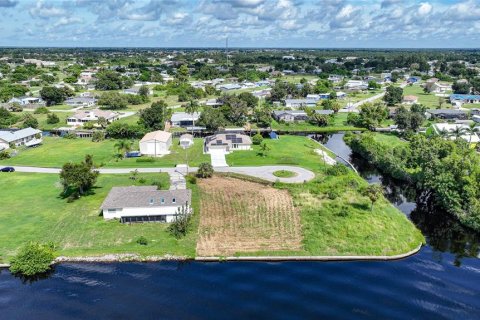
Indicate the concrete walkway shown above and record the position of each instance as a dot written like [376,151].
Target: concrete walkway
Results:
[262,172]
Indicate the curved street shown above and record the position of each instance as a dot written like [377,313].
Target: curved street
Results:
[262,172]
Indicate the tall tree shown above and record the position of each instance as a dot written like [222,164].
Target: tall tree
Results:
[393,95]
[154,118]
[182,73]
[78,177]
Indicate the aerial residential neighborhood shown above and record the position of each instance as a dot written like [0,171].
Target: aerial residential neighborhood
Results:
[241,159]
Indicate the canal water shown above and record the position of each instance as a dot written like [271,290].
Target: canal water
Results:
[442,281]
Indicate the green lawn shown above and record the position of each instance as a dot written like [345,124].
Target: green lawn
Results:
[288,150]
[54,152]
[60,107]
[389,138]
[32,210]
[339,123]
[194,155]
[358,96]
[427,99]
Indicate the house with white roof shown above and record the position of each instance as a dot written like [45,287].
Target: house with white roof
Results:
[80,117]
[145,204]
[184,119]
[25,100]
[156,143]
[24,137]
[84,101]
[136,90]
[356,85]
[298,103]
[450,128]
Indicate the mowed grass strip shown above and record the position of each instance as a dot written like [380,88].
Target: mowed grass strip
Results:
[241,217]
[56,151]
[32,210]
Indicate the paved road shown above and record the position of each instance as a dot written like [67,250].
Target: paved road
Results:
[262,172]
[354,106]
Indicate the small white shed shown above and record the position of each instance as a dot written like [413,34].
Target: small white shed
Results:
[186,140]
[156,143]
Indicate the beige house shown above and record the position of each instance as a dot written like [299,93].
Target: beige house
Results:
[156,143]
[410,99]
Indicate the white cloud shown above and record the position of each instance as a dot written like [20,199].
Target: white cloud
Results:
[425,9]
[42,10]
[64,21]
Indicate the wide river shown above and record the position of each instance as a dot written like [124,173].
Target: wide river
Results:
[442,281]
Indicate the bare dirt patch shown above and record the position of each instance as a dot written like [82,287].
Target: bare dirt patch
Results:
[240,216]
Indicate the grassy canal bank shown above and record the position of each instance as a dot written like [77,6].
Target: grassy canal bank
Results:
[326,216]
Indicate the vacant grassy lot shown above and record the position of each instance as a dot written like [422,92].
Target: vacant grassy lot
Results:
[239,217]
[42,120]
[288,150]
[55,151]
[32,210]
[390,139]
[339,123]
[427,99]
[337,219]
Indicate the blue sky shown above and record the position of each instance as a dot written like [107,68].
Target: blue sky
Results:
[247,23]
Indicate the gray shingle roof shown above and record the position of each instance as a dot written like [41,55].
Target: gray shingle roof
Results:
[10,136]
[147,196]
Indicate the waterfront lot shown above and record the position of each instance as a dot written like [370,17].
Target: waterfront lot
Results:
[32,210]
[242,217]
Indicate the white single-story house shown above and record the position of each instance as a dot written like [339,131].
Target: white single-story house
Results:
[24,137]
[227,142]
[449,128]
[289,115]
[409,99]
[356,85]
[25,100]
[213,103]
[335,78]
[135,90]
[184,119]
[229,86]
[297,103]
[81,117]
[81,101]
[145,204]
[156,143]
[186,140]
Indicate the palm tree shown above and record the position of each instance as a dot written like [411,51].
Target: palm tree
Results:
[458,132]
[191,108]
[123,146]
[471,130]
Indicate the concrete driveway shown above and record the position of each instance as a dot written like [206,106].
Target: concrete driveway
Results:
[218,158]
